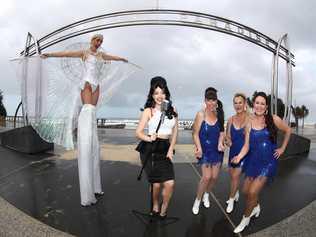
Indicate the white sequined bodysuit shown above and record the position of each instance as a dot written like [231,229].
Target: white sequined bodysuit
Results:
[92,68]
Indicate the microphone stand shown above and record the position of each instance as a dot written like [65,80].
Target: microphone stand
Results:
[150,216]
[139,177]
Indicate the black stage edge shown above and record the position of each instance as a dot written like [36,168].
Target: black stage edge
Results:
[24,139]
[297,145]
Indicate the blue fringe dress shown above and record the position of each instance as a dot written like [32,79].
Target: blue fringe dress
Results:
[238,140]
[209,135]
[260,161]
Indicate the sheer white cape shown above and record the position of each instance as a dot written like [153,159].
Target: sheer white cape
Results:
[50,91]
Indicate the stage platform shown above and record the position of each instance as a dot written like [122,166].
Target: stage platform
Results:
[45,187]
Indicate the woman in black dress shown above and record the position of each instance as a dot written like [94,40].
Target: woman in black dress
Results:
[159,146]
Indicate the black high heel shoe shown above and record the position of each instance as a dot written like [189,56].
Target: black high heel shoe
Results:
[98,195]
[155,213]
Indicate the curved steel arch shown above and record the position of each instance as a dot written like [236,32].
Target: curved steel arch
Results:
[167,17]
[160,17]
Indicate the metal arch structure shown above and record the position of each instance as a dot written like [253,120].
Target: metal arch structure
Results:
[165,17]
[275,81]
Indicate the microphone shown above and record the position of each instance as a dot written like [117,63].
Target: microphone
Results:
[164,107]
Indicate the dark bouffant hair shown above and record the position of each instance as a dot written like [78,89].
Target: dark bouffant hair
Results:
[162,84]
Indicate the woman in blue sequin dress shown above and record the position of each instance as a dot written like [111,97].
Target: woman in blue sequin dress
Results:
[208,136]
[262,158]
[235,139]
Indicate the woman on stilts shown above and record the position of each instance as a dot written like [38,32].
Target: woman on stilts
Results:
[88,143]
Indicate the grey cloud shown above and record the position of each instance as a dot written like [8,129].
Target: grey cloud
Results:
[190,59]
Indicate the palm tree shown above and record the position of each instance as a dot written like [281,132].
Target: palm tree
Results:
[305,112]
[3,112]
[296,111]
[300,112]
[280,107]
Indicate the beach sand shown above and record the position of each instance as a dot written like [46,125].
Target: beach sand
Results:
[127,153]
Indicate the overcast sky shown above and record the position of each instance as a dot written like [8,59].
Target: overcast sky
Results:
[190,59]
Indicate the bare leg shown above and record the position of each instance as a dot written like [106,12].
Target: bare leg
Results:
[253,194]
[214,175]
[206,177]
[155,196]
[95,96]
[86,94]
[234,181]
[246,186]
[252,188]
[167,192]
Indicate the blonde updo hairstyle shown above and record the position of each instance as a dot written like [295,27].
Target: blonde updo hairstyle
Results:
[243,96]
[96,36]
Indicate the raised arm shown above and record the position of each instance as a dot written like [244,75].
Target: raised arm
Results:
[141,126]
[281,125]
[195,133]
[112,57]
[173,139]
[69,54]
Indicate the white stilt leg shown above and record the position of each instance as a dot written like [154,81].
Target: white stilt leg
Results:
[85,149]
[96,157]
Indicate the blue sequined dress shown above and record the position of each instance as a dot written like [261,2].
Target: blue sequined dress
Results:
[209,135]
[238,140]
[260,161]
